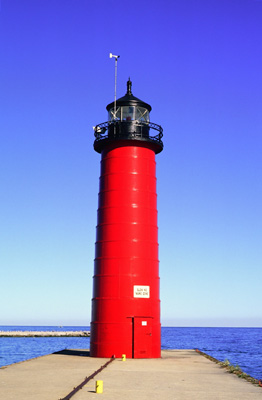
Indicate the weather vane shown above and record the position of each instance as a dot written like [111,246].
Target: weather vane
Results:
[116,58]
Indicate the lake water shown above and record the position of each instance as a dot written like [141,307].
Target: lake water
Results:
[241,346]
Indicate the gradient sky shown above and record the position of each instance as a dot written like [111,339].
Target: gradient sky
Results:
[198,63]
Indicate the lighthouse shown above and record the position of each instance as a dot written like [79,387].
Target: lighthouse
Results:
[126,302]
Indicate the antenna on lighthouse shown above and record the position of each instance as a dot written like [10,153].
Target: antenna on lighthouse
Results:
[116,58]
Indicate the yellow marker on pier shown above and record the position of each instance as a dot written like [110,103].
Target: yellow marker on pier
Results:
[99,386]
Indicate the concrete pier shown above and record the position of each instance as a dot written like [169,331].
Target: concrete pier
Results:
[179,375]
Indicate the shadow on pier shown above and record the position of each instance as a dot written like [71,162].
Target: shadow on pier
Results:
[79,353]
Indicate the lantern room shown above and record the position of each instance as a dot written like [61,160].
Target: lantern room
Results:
[128,119]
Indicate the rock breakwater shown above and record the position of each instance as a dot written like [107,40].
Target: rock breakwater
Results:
[44,334]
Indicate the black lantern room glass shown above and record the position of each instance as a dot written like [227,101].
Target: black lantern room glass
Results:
[129,113]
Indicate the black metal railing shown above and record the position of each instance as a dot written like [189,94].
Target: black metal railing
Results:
[128,129]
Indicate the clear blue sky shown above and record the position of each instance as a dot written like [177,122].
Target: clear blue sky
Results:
[198,63]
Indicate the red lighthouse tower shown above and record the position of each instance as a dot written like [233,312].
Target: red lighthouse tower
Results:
[126,304]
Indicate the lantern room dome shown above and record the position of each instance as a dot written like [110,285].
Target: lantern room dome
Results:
[129,108]
[129,100]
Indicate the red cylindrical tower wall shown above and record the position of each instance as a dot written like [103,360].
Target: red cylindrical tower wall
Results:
[125,304]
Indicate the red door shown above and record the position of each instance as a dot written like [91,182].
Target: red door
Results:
[142,337]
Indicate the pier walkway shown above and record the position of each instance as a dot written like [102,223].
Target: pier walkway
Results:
[179,375]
